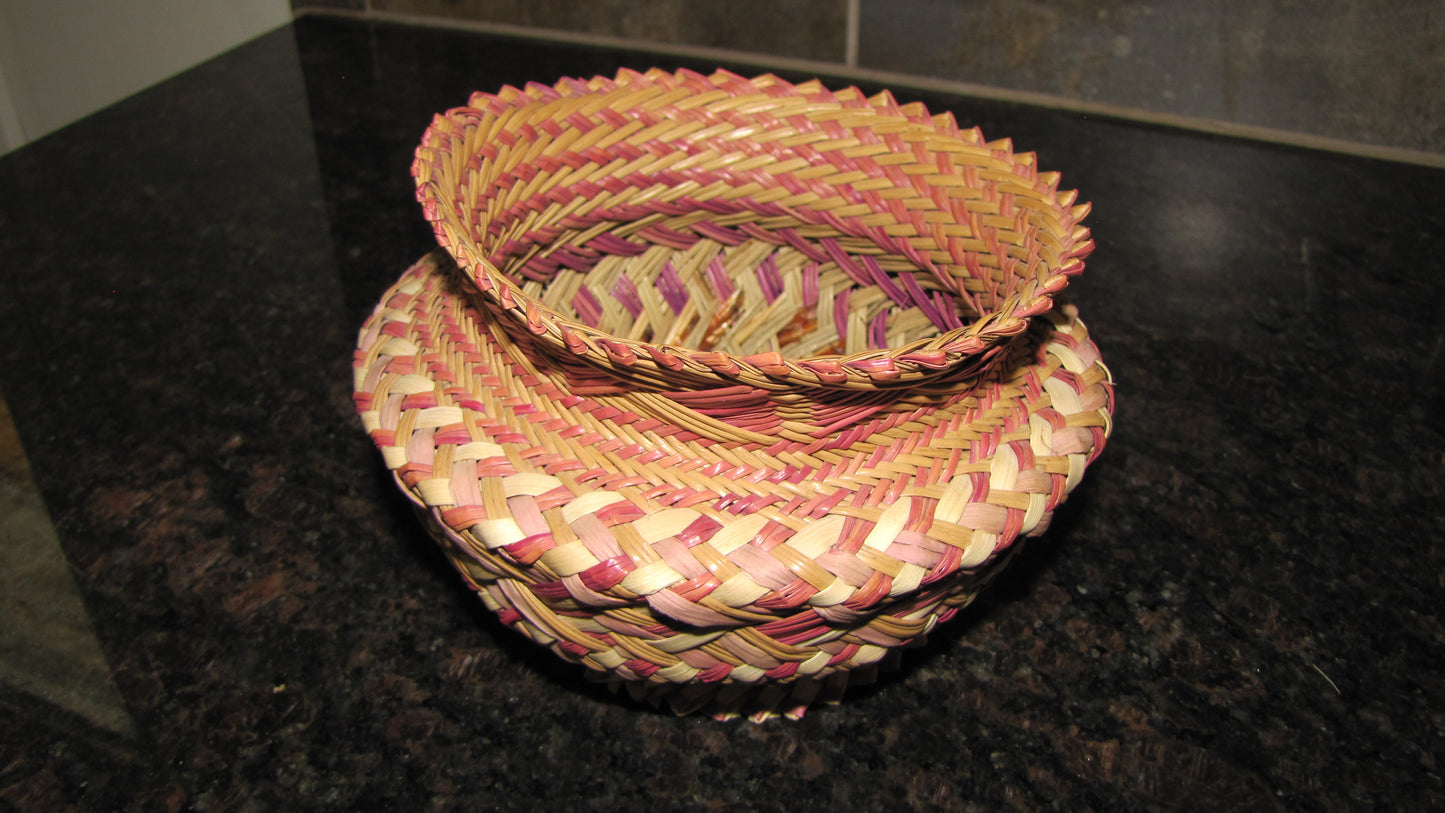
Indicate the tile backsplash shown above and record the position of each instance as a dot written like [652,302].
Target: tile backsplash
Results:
[1365,71]
[802,30]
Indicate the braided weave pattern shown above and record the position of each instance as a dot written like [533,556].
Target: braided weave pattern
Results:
[525,181]
[728,388]
[664,557]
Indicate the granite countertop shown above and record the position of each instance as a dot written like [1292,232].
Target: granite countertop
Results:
[1237,609]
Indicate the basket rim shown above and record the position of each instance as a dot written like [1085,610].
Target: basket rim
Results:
[911,363]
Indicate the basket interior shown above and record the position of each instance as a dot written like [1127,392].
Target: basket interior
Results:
[746,298]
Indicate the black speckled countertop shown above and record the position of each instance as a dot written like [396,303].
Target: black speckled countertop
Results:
[1239,608]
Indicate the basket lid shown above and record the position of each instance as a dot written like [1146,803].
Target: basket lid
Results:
[526,180]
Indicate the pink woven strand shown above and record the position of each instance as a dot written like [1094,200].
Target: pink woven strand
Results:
[670,286]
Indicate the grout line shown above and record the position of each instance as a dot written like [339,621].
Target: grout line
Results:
[850,47]
[896,81]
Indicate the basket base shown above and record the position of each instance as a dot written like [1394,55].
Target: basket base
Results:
[522,489]
[756,702]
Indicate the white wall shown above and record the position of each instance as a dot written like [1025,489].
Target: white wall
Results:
[63,59]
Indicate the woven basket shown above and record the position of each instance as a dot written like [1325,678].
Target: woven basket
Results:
[728,388]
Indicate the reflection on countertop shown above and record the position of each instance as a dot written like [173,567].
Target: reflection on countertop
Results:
[47,644]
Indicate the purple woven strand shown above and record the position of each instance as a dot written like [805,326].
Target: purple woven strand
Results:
[945,306]
[845,262]
[576,262]
[718,278]
[919,298]
[608,243]
[810,286]
[625,292]
[770,280]
[586,306]
[720,206]
[671,287]
[840,313]
[884,281]
[803,245]
[722,234]
[878,331]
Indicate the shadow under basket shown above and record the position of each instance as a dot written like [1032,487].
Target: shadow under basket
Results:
[727,388]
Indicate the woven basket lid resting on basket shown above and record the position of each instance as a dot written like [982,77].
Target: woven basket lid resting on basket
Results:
[523,182]
[730,528]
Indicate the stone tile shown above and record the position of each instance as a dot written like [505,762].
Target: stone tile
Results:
[804,29]
[1366,71]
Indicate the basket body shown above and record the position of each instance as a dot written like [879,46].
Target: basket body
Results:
[727,388]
